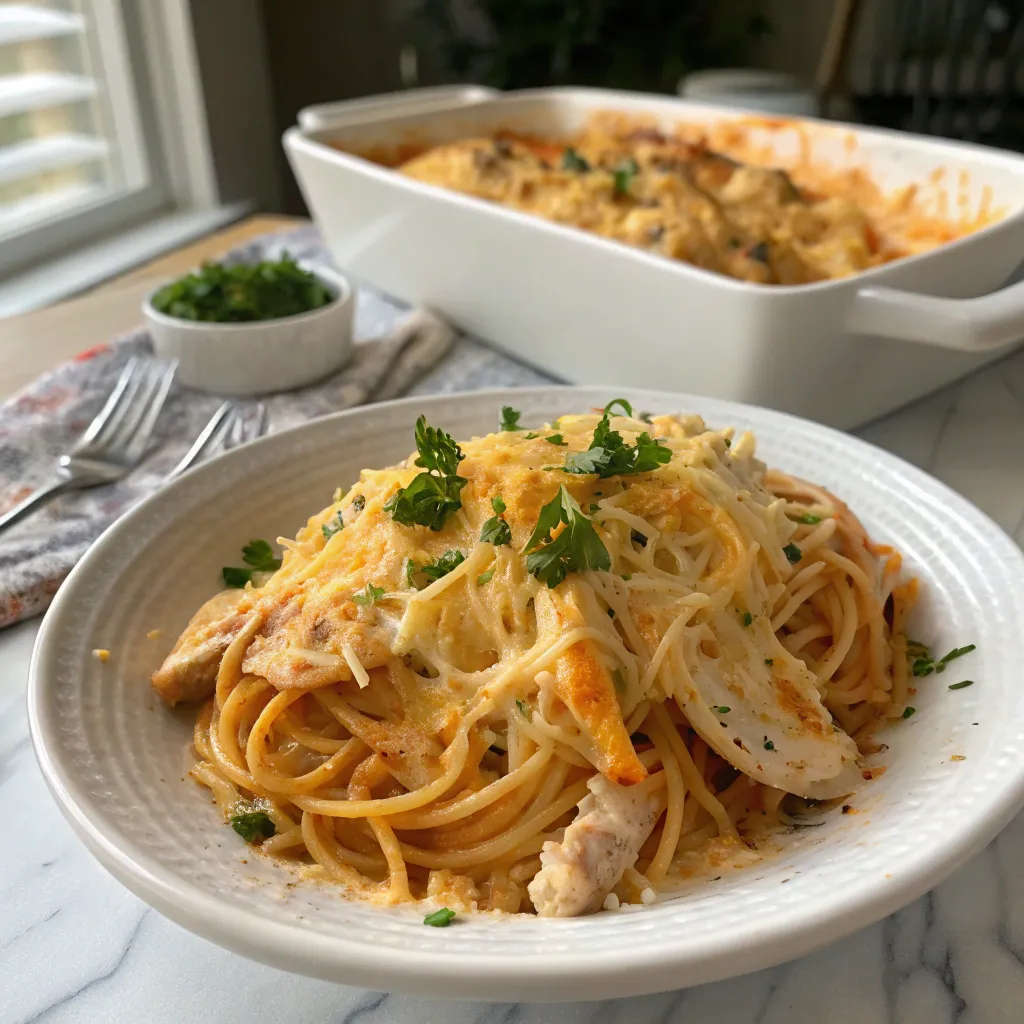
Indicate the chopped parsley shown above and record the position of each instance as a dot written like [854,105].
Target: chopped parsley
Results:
[509,418]
[441,566]
[496,531]
[243,292]
[557,439]
[808,518]
[721,709]
[924,665]
[907,712]
[623,176]
[769,662]
[768,745]
[440,918]
[359,503]
[957,652]
[578,548]
[333,526]
[524,709]
[259,556]
[961,686]
[746,618]
[793,553]
[531,436]
[410,571]
[485,577]
[369,596]
[434,495]
[253,826]
[608,455]
[627,576]
[572,161]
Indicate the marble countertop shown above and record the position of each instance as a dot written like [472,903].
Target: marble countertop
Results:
[76,946]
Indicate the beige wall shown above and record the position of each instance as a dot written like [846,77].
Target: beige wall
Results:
[237,86]
[322,50]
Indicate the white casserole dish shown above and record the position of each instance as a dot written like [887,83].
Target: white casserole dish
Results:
[592,310]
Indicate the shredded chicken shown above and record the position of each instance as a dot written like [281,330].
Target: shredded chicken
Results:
[189,672]
[577,874]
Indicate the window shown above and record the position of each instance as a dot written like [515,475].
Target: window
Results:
[75,158]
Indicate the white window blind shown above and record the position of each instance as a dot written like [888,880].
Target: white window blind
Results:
[73,157]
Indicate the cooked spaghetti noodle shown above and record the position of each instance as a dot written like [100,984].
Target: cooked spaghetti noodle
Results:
[634,666]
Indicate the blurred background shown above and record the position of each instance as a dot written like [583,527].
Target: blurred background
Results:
[129,126]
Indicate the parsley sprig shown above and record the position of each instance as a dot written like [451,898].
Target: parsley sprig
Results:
[510,418]
[608,455]
[434,495]
[496,531]
[442,566]
[432,571]
[257,554]
[371,595]
[578,548]
[253,826]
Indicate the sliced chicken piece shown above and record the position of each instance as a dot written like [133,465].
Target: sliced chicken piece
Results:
[578,873]
[189,672]
[759,708]
[585,687]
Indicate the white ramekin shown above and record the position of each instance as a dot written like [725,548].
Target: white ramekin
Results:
[258,357]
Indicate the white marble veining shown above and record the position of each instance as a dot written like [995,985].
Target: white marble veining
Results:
[76,946]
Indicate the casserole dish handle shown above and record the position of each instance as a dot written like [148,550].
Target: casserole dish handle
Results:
[968,325]
[393,104]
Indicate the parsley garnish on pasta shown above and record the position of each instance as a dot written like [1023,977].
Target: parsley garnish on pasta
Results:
[577,548]
[496,530]
[510,418]
[609,455]
[434,495]
[259,556]
[253,826]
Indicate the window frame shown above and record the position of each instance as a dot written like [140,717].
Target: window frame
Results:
[152,105]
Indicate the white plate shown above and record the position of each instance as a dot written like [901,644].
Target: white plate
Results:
[115,758]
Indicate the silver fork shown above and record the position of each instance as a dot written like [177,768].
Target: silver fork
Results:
[115,441]
[227,428]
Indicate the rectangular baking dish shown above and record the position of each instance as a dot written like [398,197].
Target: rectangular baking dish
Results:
[591,310]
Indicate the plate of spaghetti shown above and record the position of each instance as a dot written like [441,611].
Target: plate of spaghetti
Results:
[590,695]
